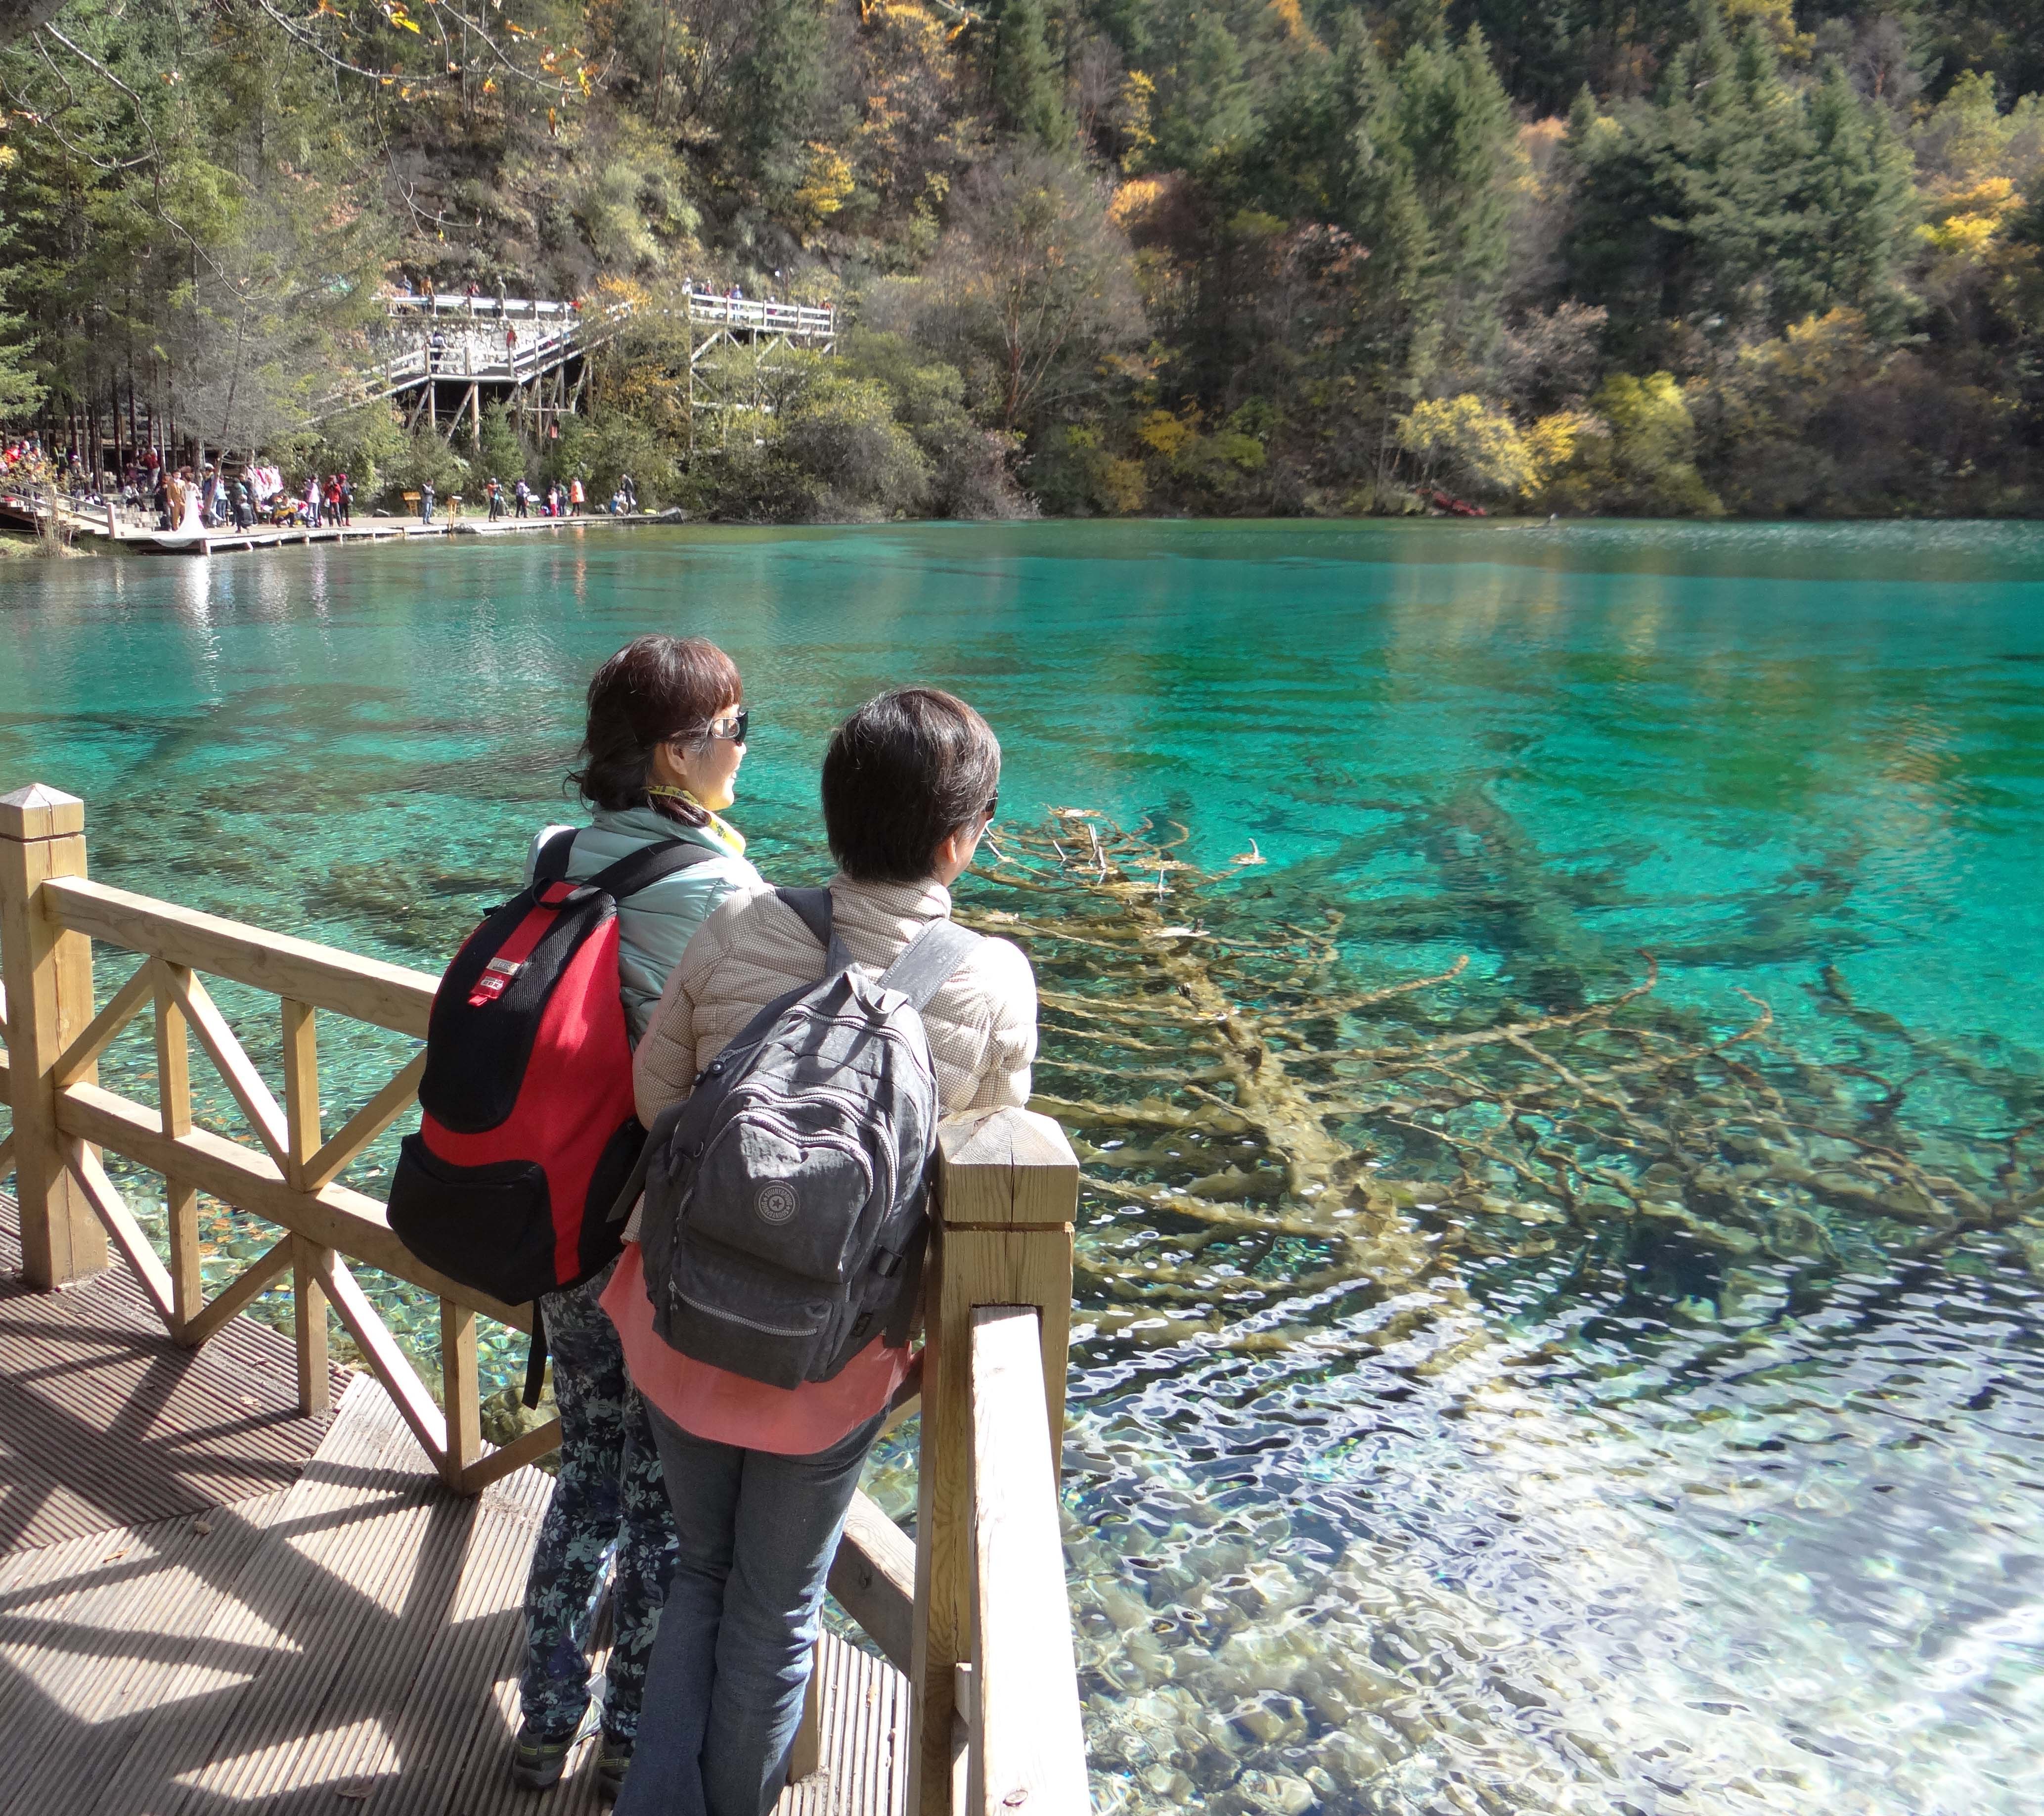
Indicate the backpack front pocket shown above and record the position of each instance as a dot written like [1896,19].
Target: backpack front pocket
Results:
[782,1194]
[732,1312]
[491,1225]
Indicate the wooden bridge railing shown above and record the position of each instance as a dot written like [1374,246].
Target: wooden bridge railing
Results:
[974,1611]
[50,914]
[765,315]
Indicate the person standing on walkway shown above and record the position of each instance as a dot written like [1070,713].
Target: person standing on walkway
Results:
[495,493]
[575,499]
[523,493]
[345,493]
[425,501]
[664,739]
[760,1477]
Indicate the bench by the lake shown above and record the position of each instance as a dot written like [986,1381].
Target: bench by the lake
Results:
[217,1591]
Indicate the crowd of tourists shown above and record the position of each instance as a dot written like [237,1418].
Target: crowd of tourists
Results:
[192,497]
[247,497]
[559,497]
[730,1318]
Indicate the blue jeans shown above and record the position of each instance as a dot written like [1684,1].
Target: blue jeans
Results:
[756,1534]
[609,1516]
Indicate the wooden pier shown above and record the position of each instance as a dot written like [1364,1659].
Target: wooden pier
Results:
[217,1591]
[139,539]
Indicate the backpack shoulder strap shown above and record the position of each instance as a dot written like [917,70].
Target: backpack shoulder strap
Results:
[552,864]
[812,907]
[929,961]
[646,866]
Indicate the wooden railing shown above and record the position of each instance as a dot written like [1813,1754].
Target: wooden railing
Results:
[765,316]
[475,349]
[50,914]
[974,1611]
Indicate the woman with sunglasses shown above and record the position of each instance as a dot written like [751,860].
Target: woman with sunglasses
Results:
[665,737]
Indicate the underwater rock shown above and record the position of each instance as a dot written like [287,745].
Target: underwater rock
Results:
[1269,1793]
[1270,1719]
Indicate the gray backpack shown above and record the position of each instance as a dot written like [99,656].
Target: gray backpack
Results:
[785,1214]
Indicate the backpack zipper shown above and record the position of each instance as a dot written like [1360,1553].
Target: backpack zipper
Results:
[734,1318]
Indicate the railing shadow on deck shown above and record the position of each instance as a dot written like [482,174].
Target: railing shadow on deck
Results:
[975,1611]
[255,1653]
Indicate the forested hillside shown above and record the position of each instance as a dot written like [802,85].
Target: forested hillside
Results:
[1774,257]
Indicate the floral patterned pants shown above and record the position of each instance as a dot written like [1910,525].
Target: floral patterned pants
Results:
[608,1519]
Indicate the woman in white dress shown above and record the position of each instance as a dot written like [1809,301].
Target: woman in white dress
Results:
[187,523]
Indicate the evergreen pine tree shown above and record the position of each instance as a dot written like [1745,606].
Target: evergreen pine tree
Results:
[1028,91]
[1456,122]
[1399,325]
[1858,205]
[775,90]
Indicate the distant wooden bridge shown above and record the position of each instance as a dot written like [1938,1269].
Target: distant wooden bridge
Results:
[452,354]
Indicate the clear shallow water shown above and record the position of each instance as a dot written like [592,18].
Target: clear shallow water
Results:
[1673,1548]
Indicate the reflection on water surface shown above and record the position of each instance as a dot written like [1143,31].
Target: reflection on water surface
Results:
[1523,1500]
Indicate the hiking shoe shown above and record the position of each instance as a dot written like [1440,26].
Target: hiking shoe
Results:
[611,1764]
[537,1759]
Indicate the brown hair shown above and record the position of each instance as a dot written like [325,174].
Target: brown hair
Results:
[901,774]
[656,689]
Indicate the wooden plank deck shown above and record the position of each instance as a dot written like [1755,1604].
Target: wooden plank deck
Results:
[105,1423]
[267,1614]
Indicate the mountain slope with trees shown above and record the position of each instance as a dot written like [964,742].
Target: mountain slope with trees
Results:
[1771,257]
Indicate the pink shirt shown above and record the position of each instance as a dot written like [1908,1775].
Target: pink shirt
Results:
[722,1408]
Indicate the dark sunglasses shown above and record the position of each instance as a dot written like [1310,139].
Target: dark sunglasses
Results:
[732,726]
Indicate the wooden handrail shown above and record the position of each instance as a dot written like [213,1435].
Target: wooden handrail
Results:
[50,914]
[1029,1744]
[367,990]
[1006,1190]
[754,312]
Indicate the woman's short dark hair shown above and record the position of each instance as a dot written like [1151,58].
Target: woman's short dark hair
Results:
[901,774]
[655,689]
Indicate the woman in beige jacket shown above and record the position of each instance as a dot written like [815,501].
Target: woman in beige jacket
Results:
[760,1477]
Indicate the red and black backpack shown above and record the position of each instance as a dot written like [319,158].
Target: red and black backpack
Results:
[527,1132]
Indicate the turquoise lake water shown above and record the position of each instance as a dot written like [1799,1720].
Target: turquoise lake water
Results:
[1640,1530]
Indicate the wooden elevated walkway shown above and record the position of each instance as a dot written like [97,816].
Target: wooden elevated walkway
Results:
[211,1599]
[208,1602]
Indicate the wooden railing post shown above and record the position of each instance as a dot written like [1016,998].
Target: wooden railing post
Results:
[460,1390]
[174,1097]
[1008,1186]
[49,976]
[315,1394]
[302,1093]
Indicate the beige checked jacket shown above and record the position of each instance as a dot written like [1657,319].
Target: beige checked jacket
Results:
[981,1022]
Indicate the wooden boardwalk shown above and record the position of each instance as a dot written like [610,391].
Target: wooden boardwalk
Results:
[103,1423]
[472,521]
[208,1604]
